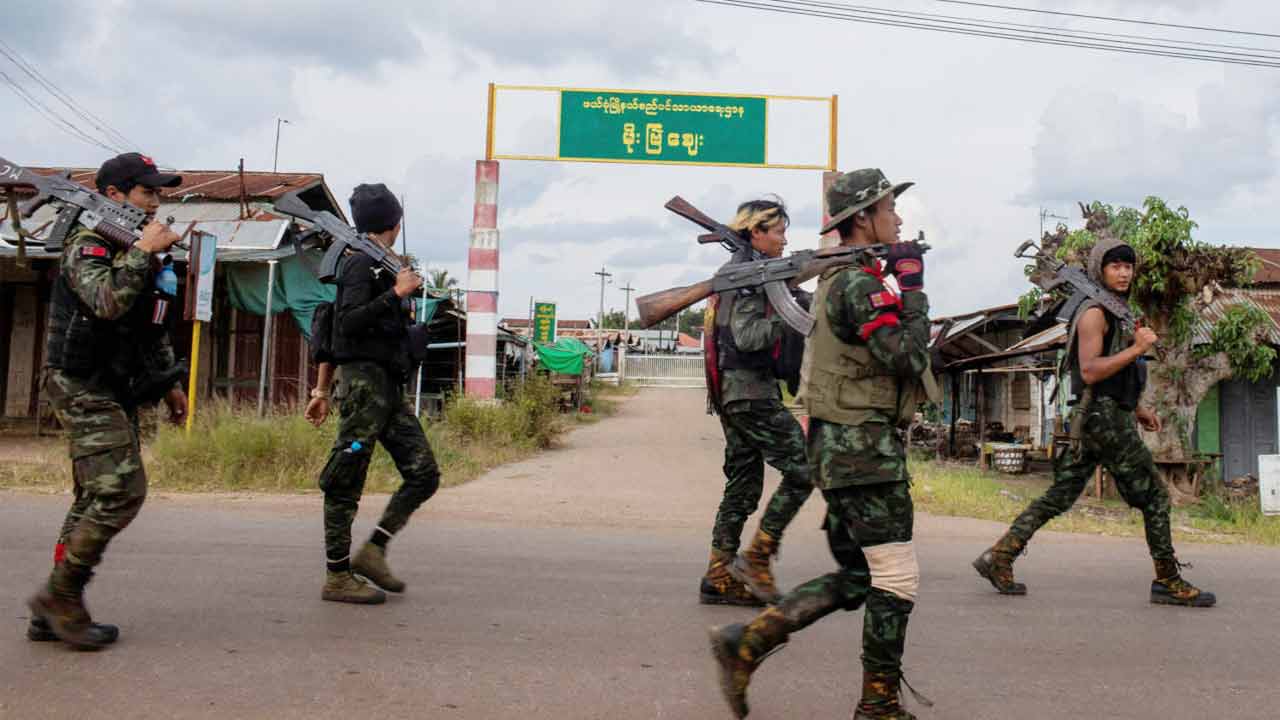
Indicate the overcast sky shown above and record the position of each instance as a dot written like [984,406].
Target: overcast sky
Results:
[990,130]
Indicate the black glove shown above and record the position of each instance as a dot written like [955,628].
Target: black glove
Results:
[906,261]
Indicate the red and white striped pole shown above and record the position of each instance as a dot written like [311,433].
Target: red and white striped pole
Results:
[482,285]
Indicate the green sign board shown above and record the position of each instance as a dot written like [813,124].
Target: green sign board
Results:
[544,323]
[641,127]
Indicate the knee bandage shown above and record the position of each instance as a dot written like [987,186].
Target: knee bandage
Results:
[894,569]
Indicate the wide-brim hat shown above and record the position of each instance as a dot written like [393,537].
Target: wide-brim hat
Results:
[858,190]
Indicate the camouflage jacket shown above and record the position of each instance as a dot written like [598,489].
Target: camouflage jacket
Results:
[753,330]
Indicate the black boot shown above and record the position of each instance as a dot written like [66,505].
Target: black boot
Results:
[38,630]
[60,606]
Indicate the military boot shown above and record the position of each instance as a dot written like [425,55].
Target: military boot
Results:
[752,568]
[739,649]
[1170,589]
[718,587]
[880,698]
[38,630]
[996,565]
[371,563]
[60,607]
[347,588]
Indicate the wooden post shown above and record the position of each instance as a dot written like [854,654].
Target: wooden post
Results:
[980,414]
[955,409]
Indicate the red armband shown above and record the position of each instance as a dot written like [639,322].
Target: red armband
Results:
[888,319]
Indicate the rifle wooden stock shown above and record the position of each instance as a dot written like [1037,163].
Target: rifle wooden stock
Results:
[656,307]
[684,209]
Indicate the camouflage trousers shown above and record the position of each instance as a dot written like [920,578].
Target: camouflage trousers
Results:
[1110,438]
[859,518]
[755,432]
[371,409]
[110,485]
[869,453]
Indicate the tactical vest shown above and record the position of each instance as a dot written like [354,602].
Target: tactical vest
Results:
[1126,386]
[730,357]
[844,383]
[79,341]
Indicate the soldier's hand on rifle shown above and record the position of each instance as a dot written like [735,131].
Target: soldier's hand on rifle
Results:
[407,282]
[906,261]
[156,237]
[1144,338]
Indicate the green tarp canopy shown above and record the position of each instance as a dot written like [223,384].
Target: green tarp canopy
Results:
[565,357]
[296,290]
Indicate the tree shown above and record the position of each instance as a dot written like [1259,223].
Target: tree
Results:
[440,279]
[1178,277]
[691,320]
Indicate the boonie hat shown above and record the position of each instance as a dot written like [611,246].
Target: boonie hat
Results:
[857,190]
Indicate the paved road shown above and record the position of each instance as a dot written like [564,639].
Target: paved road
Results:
[564,587]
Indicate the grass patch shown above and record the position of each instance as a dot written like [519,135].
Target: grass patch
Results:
[965,491]
[604,400]
[237,451]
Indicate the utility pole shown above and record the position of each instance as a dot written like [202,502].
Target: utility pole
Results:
[276,161]
[600,316]
[626,334]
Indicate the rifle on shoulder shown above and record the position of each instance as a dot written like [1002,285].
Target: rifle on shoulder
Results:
[775,275]
[120,223]
[342,236]
[1082,287]
[720,233]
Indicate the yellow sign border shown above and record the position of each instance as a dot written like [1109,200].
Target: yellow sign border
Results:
[831,146]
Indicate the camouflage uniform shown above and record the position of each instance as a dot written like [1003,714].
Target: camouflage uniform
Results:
[757,429]
[372,408]
[862,372]
[1104,433]
[103,306]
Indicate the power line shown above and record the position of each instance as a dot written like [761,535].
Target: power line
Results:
[109,132]
[982,22]
[1108,18]
[109,135]
[49,115]
[988,30]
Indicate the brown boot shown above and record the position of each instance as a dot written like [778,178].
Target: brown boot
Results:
[60,607]
[752,568]
[718,587]
[996,565]
[739,649]
[347,588]
[371,564]
[1170,589]
[880,692]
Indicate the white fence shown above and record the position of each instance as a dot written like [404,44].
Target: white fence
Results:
[666,371]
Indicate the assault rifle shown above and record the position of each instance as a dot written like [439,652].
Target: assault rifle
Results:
[342,236]
[117,222]
[1082,287]
[720,233]
[775,275]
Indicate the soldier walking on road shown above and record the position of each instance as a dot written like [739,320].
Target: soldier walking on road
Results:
[107,354]
[370,349]
[747,336]
[865,367]
[1108,374]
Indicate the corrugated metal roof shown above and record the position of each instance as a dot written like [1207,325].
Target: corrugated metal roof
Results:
[223,185]
[1264,299]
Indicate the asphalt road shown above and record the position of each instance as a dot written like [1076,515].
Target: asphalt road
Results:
[565,587]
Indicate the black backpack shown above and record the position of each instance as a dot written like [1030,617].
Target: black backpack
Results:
[322,333]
